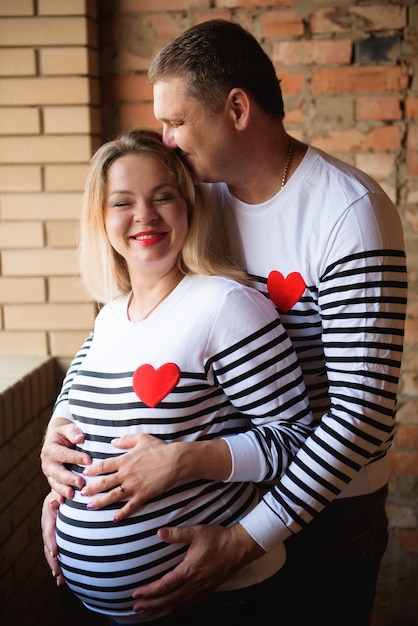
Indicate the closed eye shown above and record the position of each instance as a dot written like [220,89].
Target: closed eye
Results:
[164,198]
[121,203]
[175,123]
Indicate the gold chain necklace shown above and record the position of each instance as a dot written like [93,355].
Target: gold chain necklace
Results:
[286,167]
[176,282]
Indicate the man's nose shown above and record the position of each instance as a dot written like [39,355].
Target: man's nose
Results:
[168,137]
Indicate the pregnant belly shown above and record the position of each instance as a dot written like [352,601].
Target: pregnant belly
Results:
[104,561]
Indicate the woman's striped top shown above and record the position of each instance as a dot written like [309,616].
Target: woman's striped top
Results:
[217,363]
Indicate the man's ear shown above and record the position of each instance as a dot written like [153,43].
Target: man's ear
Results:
[239,107]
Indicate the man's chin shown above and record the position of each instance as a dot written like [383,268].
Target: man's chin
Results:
[197,177]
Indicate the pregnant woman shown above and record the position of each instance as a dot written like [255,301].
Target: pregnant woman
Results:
[185,353]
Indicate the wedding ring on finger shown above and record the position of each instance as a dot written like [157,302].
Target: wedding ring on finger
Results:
[121,489]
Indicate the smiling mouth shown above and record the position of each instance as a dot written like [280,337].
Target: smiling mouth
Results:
[146,236]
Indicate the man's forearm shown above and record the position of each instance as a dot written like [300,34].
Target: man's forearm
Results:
[209,460]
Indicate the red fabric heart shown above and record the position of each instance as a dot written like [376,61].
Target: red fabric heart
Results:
[151,385]
[285,292]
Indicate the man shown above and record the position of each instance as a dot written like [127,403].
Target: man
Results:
[324,242]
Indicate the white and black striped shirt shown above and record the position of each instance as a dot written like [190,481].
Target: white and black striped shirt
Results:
[222,364]
[329,249]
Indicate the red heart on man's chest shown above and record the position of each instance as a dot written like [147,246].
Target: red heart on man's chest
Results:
[152,385]
[285,292]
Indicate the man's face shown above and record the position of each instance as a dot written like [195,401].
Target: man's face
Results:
[202,138]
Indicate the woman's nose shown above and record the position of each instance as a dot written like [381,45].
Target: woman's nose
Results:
[144,213]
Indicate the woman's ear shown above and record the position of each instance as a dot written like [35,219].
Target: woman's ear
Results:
[239,107]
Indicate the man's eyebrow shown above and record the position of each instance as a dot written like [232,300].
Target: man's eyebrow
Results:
[170,120]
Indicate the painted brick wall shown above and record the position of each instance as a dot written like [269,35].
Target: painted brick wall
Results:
[49,127]
[349,74]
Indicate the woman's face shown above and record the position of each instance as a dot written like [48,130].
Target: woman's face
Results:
[145,216]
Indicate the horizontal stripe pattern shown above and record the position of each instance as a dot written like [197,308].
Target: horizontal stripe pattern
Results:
[234,377]
[351,370]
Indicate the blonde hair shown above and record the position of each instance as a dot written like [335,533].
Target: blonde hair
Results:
[205,249]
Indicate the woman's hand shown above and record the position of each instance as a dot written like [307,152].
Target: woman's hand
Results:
[148,468]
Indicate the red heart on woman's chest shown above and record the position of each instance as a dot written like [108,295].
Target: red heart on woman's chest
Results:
[152,385]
